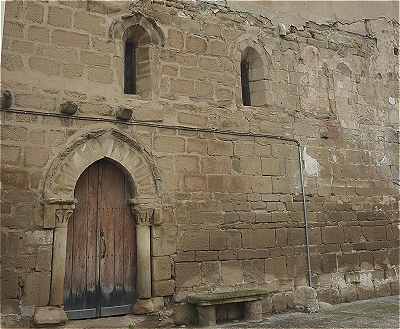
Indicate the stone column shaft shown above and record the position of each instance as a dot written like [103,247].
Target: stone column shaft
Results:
[59,255]
[143,261]
[144,219]
[207,316]
[58,273]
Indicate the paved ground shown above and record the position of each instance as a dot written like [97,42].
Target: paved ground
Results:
[373,313]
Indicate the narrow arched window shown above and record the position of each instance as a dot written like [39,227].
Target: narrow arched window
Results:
[137,68]
[244,73]
[253,79]
[130,67]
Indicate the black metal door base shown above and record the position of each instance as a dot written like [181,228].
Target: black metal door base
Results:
[116,310]
[88,313]
[91,313]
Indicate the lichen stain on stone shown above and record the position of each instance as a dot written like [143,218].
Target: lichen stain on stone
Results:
[311,165]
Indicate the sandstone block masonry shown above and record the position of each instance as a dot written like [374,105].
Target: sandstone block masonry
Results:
[231,212]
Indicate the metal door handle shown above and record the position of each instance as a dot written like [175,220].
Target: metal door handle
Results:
[103,245]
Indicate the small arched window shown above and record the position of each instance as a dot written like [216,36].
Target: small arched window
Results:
[137,58]
[253,82]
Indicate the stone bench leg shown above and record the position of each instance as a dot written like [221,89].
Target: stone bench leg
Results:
[207,316]
[253,311]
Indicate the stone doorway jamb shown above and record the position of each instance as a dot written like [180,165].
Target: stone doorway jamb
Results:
[56,217]
[146,211]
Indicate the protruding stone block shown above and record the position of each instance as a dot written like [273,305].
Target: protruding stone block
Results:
[207,316]
[144,306]
[184,314]
[7,99]
[305,299]
[253,310]
[124,114]
[49,315]
[69,108]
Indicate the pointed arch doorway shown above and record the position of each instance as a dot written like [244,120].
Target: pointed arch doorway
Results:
[100,267]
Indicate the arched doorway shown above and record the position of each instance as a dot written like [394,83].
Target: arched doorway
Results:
[100,267]
[83,149]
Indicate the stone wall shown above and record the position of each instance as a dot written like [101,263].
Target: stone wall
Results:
[232,212]
[347,15]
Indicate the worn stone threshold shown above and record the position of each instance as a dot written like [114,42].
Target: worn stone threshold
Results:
[124,321]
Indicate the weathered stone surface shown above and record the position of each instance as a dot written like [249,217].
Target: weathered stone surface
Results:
[253,310]
[161,268]
[163,288]
[206,316]
[325,307]
[50,315]
[70,39]
[187,274]
[305,299]
[145,306]
[184,314]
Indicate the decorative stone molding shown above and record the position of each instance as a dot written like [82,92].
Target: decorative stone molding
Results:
[248,41]
[121,25]
[101,141]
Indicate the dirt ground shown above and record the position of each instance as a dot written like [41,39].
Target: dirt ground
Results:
[373,313]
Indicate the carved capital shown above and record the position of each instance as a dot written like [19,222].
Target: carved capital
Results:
[145,210]
[63,215]
[144,216]
[57,214]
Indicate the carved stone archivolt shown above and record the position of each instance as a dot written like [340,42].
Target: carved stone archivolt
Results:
[94,144]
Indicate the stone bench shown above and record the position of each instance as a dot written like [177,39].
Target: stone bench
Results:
[206,303]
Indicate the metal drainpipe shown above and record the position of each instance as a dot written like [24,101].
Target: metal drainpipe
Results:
[206,130]
[301,162]
[2,9]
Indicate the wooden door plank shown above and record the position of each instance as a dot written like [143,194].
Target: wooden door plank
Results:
[129,248]
[129,256]
[78,290]
[91,256]
[119,249]
[116,268]
[68,262]
[81,285]
[119,206]
[107,235]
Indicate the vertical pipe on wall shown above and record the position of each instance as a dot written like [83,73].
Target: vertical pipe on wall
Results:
[2,11]
[301,164]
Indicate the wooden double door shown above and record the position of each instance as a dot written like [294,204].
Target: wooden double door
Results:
[100,273]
